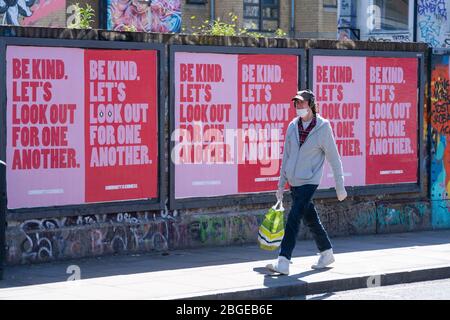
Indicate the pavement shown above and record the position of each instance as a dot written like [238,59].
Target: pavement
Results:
[236,272]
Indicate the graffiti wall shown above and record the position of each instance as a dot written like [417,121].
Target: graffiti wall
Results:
[50,239]
[148,16]
[440,138]
[43,240]
[433,25]
[50,13]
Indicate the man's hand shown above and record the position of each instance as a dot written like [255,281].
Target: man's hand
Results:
[341,195]
[279,194]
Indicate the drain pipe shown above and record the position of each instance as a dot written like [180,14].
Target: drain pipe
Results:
[292,31]
[212,8]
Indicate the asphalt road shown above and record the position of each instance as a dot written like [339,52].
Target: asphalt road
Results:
[428,290]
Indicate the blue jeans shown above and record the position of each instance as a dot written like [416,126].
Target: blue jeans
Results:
[303,208]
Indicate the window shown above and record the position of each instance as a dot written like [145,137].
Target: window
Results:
[330,4]
[393,15]
[196,1]
[261,15]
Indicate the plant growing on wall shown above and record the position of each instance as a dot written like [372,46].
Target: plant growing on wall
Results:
[221,28]
[83,17]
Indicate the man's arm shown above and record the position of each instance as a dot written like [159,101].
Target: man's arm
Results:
[286,153]
[334,159]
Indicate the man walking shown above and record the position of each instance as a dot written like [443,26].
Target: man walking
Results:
[309,140]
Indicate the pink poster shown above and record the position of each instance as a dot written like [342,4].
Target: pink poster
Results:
[45,126]
[81,126]
[339,84]
[391,120]
[121,128]
[372,106]
[205,111]
[266,82]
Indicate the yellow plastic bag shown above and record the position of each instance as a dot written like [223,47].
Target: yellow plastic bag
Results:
[271,230]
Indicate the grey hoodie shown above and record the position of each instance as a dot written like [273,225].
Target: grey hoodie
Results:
[304,165]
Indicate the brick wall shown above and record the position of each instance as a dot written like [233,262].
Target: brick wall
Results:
[285,15]
[313,21]
[223,8]
[200,11]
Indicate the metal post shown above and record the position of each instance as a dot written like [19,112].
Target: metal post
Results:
[292,26]
[2,157]
[415,21]
[212,9]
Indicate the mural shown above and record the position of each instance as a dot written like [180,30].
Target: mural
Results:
[49,239]
[440,152]
[42,13]
[432,22]
[14,10]
[148,16]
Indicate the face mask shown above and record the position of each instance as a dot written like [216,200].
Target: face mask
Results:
[302,112]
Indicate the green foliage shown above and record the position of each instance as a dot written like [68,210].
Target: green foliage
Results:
[83,17]
[279,33]
[222,28]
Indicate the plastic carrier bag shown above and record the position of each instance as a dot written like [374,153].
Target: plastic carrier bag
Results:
[271,230]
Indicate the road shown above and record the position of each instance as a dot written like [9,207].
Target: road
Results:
[428,290]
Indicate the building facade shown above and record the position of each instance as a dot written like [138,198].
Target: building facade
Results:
[297,18]
[400,20]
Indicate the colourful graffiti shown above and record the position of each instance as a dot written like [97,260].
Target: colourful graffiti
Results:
[403,217]
[432,23]
[48,13]
[14,10]
[42,13]
[440,133]
[43,240]
[151,16]
[432,6]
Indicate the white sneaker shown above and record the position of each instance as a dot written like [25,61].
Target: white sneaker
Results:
[280,266]
[326,258]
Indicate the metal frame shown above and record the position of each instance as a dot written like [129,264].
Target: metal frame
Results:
[103,14]
[236,199]
[382,188]
[2,168]
[91,208]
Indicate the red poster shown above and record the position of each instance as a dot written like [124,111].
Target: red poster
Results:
[391,132]
[266,84]
[121,125]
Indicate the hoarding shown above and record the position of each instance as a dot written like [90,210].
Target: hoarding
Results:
[82,125]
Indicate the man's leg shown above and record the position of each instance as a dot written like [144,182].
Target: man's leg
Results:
[312,221]
[301,197]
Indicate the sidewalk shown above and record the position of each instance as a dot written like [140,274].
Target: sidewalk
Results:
[237,272]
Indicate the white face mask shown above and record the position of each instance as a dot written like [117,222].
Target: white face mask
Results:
[302,112]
